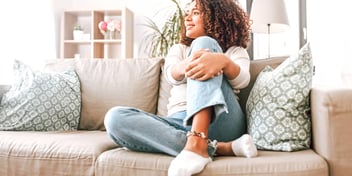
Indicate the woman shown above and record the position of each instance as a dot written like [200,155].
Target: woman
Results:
[208,121]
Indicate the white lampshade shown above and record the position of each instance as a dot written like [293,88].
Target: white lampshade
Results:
[265,12]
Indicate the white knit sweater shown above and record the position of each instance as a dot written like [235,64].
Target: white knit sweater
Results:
[178,52]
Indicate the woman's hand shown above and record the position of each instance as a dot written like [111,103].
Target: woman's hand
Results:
[203,65]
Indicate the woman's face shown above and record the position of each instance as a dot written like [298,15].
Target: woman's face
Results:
[194,21]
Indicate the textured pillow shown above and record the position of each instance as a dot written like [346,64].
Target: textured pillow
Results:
[278,103]
[107,83]
[39,101]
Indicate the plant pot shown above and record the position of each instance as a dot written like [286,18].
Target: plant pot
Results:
[77,34]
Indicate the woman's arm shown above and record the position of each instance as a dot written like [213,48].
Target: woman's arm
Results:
[174,65]
[178,70]
[234,63]
[204,65]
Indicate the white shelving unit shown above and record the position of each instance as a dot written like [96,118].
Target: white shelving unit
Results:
[95,44]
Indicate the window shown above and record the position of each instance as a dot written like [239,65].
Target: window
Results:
[279,44]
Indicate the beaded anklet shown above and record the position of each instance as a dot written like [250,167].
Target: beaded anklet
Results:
[198,134]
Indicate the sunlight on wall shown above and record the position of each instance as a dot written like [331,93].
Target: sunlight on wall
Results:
[329,33]
[27,33]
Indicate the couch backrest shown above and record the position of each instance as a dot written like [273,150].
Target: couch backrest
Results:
[129,82]
[106,83]
[255,67]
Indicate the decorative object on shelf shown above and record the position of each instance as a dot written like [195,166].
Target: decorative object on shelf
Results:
[86,36]
[77,32]
[269,17]
[94,44]
[110,29]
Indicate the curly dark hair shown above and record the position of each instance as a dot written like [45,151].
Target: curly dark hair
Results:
[225,21]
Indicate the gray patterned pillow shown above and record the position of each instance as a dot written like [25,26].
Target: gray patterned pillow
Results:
[278,103]
[39,101]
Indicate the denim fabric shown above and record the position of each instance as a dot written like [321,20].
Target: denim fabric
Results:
[141,131]
[211,87]
[230,122]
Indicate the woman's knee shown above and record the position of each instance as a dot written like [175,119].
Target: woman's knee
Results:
[114,118]
[206,42]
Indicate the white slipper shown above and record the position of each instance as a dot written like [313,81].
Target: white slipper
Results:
[187,163]
[244,146]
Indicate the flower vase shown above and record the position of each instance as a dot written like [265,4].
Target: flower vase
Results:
[111,35]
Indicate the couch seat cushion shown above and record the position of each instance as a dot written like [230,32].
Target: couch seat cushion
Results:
[124,162]
[51,153]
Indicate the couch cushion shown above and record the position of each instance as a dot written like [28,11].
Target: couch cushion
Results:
[51,153]
[113,82]
[41,101]
[124,162]
[256,66]
[278,103]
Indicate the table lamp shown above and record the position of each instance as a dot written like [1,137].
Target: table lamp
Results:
[269,16]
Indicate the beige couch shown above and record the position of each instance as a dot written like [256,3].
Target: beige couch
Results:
[135,82]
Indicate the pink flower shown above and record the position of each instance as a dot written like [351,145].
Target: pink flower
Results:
[112,25]
[103,26]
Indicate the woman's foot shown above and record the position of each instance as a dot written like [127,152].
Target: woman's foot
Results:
[192,159]
[187,163]
[244,146]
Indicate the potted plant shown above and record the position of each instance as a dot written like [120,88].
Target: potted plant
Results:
[77,32]
[159,40]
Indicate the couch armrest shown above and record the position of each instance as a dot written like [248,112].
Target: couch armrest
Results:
[3,90]
[332,127]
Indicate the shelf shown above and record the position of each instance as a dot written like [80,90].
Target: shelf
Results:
[93,43]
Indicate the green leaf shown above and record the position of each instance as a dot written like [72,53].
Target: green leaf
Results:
[157,42]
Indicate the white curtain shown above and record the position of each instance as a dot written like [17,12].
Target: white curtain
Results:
[27,33]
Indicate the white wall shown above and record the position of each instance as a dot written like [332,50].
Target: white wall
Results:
[26,34]
[330,35]
[30,30]
[141,9]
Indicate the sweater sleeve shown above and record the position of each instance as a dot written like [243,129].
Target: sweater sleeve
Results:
[239,56]
[175,54]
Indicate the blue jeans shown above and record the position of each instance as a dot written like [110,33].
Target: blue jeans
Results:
[145,132]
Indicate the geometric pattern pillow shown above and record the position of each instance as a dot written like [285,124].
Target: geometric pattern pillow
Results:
[278,105]
[39,101]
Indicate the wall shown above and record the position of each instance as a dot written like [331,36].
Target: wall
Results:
[26,34]
[31,29]
[151,9]
[329,32]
